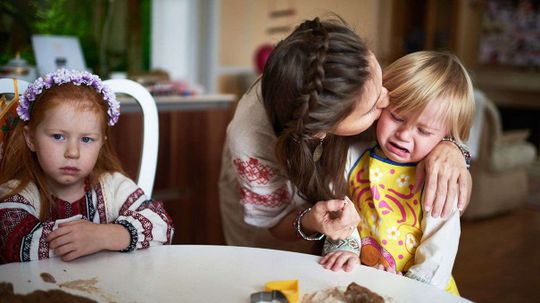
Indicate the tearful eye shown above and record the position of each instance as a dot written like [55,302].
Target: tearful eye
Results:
[396,117]
[424,132]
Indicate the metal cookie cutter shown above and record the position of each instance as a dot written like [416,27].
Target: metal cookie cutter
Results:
[273,296]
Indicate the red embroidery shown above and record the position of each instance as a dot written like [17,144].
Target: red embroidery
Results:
[277,198]
[15,224]
[100,204]
[147,227]
[254,171]
[43,249]
[131,199]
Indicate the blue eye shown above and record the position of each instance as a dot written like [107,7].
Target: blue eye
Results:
[87,139]
[58,137]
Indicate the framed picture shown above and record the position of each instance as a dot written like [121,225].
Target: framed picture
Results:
[511,33]
[54,52]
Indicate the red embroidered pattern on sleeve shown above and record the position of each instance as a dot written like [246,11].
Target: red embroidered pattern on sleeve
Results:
[43,249]
[15,225]
[132,198]
[100,204]
[254,171]
[277,198]
[146,227]
[159,208]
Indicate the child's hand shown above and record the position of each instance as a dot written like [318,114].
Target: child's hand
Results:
[388,269]
[340,259]
[76,239]
[334,218]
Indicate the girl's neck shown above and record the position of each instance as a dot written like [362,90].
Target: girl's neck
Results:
[69,193]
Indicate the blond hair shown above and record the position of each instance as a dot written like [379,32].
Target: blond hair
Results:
[425,76]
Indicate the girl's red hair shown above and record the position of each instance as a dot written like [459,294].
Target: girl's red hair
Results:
[21,164]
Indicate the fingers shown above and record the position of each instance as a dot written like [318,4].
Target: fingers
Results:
[451,194]
[338,263]
[59,241]
[71,256]
[420,176]
[429,188]
[351,264]
[440,197]
[331,205]
[64,249]
[465,186]
[337,224]
[329,260]
[325,259]
[71,223]
[62,229]
[340,260]
[59,232]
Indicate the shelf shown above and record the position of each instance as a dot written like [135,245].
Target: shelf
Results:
[509,87]
[180,103]
[508,79]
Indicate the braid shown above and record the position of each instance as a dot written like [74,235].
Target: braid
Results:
[309,99]
[310,83]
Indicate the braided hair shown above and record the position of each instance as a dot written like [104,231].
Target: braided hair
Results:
[309,85]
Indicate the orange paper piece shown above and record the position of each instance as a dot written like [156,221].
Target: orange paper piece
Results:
[288,287]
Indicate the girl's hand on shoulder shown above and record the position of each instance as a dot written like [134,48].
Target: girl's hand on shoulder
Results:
[446,178]
[334,218]
[76,239]
[340,260]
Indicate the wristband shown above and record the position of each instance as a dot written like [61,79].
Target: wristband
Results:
[132,235]
[463,148]
[298,227]
[349,244]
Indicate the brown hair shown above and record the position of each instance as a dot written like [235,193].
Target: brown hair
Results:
[20,163]
[422,77]
[309,85]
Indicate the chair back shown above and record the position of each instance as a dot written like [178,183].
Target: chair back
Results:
[148,163]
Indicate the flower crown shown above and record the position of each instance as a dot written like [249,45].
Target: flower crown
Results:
[63,76]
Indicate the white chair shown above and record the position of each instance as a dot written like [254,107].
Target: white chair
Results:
[148,163]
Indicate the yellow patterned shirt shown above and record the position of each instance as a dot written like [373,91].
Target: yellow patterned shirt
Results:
[391,226]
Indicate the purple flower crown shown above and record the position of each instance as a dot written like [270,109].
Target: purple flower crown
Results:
[63,76]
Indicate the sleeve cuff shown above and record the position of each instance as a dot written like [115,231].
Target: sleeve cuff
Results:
[349,244]
[133,234]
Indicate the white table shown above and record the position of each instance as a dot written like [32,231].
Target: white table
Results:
[198,273]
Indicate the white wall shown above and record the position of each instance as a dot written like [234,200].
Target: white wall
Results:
[173,38]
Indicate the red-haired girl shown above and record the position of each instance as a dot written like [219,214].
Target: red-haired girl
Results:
[63,191]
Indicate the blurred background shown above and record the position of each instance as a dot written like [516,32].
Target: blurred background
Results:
[214,49]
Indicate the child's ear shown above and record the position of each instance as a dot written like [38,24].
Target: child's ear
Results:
[29,139]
